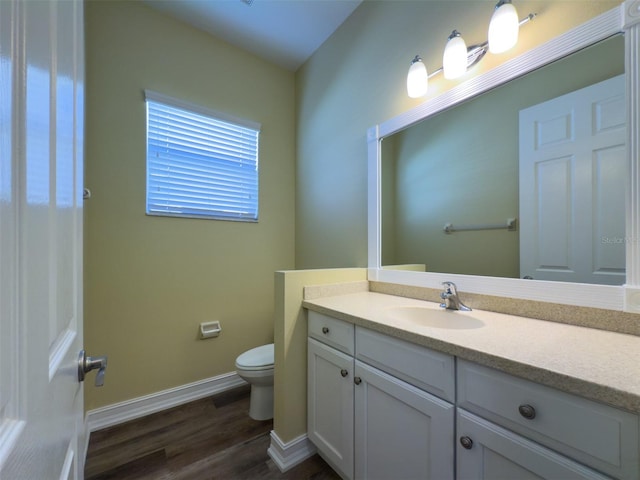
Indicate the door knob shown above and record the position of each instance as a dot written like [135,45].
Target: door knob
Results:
[86,364]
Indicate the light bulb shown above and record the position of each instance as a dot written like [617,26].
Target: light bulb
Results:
[454,59]
[417,78]
[503,28]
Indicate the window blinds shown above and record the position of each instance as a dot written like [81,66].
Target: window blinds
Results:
[200,163]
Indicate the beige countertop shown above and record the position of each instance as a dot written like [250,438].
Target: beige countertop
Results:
[596,364]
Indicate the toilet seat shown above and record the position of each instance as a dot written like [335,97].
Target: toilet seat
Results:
[259,358]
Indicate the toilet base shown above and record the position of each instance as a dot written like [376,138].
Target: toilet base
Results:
[261,402]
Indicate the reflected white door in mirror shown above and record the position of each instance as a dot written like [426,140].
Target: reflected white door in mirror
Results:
[572,167]
[624,19]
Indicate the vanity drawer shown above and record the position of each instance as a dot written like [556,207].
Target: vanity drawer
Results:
[594,434]
[336,333]
[431,371]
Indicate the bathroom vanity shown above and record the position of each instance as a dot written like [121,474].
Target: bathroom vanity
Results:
[400,388]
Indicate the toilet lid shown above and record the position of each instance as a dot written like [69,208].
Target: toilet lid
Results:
[257,358]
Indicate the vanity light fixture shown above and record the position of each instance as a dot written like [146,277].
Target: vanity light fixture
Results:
[454,59]
[458,58]
[417,78]
[503,28]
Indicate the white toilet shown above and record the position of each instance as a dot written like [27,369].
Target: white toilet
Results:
[256,367]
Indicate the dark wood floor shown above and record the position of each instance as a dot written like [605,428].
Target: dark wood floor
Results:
[213,438]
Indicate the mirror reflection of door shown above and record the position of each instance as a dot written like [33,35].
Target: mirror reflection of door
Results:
[572,167]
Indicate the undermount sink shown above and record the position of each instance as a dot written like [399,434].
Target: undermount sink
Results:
[435,317]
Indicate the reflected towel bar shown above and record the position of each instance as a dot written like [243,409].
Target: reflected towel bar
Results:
[511,225]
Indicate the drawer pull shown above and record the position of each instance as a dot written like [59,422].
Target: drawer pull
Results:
[325,330]
[344,372]
[357,380]
[466,442]
[527,411]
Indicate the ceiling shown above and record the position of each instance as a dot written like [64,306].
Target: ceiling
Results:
[284,32]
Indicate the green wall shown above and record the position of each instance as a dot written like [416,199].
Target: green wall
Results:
[357,79]
[150,281]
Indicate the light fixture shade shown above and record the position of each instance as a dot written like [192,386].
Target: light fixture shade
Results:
[504,27]
[454,59]
[417,78]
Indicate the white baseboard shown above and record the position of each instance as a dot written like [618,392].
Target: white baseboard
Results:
[288,455]
[121,412]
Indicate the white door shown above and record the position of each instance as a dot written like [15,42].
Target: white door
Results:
[330,405]
[41,183]
[401,432]
[486,451]
[572,195]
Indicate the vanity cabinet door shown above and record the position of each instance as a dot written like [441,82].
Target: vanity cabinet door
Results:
[330,405]
[487,451]
[597,435]
[401,432]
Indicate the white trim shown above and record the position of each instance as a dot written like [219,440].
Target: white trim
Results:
[139,407]
[597,296]
[374,185]
[632,71]
[631,13]
[564,293]
[288,455]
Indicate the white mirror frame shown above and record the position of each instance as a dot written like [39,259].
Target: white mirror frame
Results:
[625,18]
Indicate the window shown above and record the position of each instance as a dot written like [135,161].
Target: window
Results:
[200,163]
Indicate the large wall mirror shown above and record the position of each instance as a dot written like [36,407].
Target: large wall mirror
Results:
[450,183]
[460,187]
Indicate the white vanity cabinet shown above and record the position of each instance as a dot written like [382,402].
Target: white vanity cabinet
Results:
[524,428]
[401,430]
[330,405]
[381,407]
[489,452]
[330,372]
[364,420]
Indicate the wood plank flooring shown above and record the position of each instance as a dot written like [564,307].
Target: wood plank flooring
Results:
[212,438]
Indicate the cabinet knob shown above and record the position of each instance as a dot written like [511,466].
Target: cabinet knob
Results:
[325,330]
[466,442]
[344,372]
[527,411]
[357,380]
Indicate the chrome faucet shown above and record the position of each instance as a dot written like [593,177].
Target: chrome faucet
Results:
[451,299]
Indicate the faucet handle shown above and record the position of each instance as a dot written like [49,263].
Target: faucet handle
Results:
[449,287]
[447,294]
[451,299]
